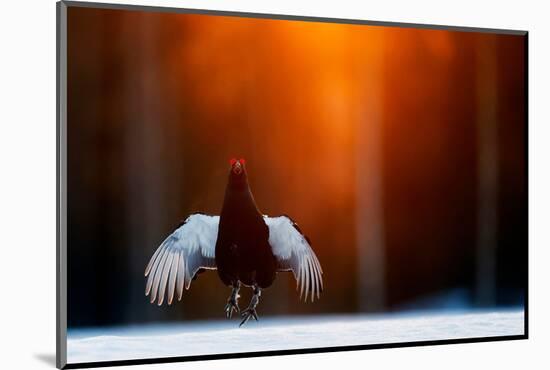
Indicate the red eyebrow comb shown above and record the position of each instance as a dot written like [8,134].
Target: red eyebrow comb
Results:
[232,161]
[242,161]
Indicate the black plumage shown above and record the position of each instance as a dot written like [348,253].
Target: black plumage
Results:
[243,252]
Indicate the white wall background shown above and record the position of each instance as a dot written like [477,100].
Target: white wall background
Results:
[27,170]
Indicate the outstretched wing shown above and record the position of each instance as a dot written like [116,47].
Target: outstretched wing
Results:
[189,248]
[293,252]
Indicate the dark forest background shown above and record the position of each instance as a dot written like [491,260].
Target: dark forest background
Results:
[400,152]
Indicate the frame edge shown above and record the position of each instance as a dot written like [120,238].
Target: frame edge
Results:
[61,185]
[289,17]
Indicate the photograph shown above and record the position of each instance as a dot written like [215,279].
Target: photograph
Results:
[240,184]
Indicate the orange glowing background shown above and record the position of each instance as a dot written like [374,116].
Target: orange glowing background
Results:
[368,136]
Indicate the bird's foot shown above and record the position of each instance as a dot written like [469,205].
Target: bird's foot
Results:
[247,314]
[251,310]
[231,306]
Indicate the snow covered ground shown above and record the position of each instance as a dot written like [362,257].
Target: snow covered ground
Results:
[212,337]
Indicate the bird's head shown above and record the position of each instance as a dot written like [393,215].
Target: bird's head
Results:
[237,166]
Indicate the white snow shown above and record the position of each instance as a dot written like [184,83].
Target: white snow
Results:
[276,333]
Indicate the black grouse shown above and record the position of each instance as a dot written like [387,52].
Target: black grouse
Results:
[244,246]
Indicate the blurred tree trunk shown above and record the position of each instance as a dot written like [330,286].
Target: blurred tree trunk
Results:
[370,216]
[144,145]
[487,138]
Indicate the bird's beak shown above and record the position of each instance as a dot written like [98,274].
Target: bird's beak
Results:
[237,168]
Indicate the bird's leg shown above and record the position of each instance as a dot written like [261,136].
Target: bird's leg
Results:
[251,310]
[232,301]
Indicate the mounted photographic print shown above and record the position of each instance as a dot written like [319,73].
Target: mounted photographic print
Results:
[235,184]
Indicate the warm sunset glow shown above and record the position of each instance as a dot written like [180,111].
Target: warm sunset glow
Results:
[331,118]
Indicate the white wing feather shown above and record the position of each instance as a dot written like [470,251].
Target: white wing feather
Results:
[188,249]
[293,253]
